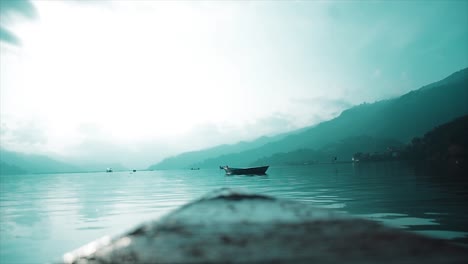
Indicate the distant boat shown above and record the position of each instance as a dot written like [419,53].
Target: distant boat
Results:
[245,171]
[109,170]
[194,168]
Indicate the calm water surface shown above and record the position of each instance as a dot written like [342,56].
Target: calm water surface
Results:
[43,216]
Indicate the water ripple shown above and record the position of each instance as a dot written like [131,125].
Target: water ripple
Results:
[52,214]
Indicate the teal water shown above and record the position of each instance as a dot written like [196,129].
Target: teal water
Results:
[44,216]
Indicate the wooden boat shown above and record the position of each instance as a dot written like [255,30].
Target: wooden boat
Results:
[245,171]
[230,226]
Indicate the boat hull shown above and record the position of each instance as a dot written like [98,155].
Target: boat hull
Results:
[246,171]
[230,226]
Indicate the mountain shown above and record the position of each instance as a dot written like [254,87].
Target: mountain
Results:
[341,150]
[400,119]
[445,142]
[7,169]
[189,159]
[296,157]
[19,163]
[444,145]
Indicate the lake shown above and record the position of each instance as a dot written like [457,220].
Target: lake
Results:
[46,215]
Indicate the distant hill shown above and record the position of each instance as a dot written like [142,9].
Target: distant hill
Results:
[296,157]
[445,142]
[7,169]
[190,159]
[339,151]
[19,163]
[400,119]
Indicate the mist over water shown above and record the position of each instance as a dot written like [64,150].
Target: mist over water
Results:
[43,216]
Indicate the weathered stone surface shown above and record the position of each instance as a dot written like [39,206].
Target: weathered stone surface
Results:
[229,226]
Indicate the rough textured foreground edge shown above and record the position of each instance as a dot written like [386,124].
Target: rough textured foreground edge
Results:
[229,226]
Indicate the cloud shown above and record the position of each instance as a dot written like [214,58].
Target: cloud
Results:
[209,134]
[131,155]
[320,108]
[9,10]
[271,125]
[7,36]
[23,136]
[22,7]
[90,130]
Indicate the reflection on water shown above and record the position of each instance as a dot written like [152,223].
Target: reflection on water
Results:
[47,215]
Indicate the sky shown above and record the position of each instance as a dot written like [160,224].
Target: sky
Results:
[136,81]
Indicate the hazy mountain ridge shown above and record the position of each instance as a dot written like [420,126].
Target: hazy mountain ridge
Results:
[191,159]
[444,142]
[7,169]
[444,145]
[335,152]
[18,163]
[400,118]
